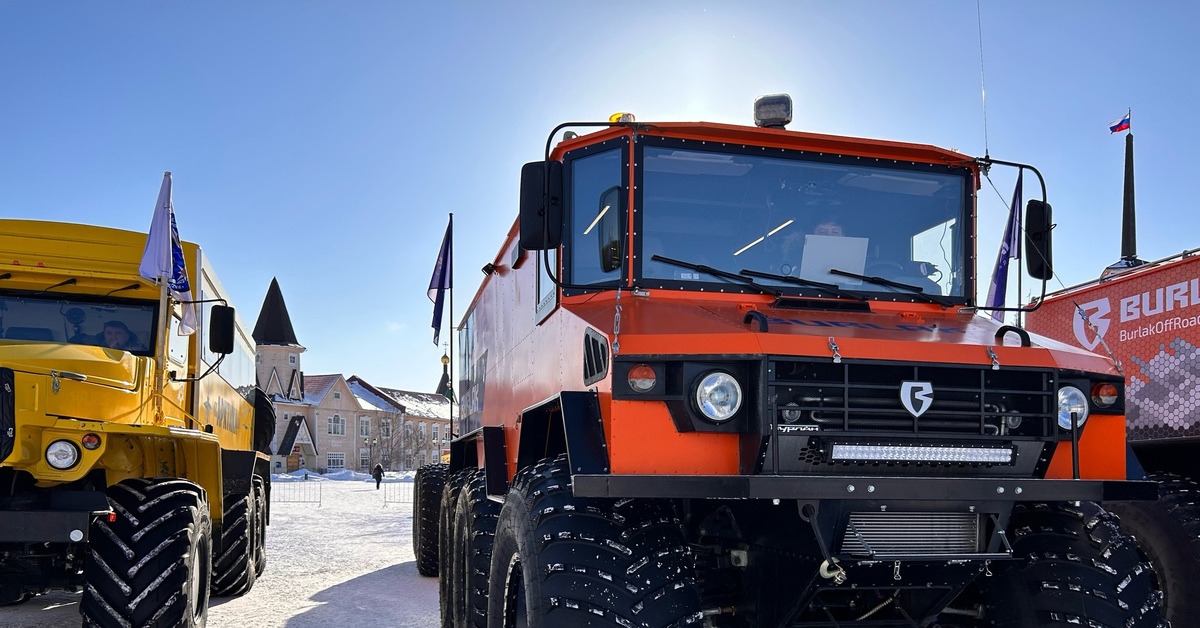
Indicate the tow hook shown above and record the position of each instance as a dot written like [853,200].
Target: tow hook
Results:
[830,570]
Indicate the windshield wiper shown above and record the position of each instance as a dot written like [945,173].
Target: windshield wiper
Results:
[808,283]
[132,286]
[880,281]
[66,282]
[716,272]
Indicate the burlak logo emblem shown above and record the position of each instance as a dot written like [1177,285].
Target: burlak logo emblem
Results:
[916,397]
[1095,312]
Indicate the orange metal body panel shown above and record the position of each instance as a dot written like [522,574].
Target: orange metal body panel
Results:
[1101,451]
[644,440]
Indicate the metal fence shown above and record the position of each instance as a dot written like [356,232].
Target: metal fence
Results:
[296,492]
[397,493]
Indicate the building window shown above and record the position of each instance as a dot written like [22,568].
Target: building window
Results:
[386,457]
[292,357]
[385,428]
[337,395]
[337,425]
[364,462]
[335,461]
[437,432]
[364,426]
[422,430]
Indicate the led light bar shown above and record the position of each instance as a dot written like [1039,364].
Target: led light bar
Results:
[921,453]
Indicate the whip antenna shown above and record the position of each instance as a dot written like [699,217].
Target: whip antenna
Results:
[982,83]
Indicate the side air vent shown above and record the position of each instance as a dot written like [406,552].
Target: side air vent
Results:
[595,357]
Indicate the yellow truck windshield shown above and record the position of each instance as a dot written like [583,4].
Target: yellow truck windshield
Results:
[121,325]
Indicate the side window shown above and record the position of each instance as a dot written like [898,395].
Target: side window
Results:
[597,218]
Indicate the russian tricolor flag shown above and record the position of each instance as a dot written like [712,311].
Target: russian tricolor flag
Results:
[1120,125]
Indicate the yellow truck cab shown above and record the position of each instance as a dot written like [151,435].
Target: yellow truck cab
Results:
[142,483]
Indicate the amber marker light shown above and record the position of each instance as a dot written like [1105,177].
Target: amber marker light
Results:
[1104,394]
[642,378]
[90,441]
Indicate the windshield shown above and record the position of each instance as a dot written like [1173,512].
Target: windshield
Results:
[802,216]
[57,318]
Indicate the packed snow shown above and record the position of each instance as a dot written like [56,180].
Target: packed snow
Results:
[347,561]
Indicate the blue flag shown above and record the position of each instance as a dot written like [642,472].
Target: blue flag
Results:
[162,259]
[443,279]
[1010,248]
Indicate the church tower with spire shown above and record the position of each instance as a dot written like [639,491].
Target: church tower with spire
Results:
[280,375]
[278,361]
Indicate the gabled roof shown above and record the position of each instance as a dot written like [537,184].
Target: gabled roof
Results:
[369,394]
[295,424]
[274,326]
[317,386]
[421,404]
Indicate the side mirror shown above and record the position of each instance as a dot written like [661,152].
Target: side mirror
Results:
[541,215]
[609,230]
[220,329]
[1039,259]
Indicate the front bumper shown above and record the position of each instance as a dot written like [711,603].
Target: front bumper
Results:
[46,526]
[860,488]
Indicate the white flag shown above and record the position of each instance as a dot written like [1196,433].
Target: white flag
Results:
[163,258]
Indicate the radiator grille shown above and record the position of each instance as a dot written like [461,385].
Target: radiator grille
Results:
[865,397]
[884,534]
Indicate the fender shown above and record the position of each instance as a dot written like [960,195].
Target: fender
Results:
[570,423]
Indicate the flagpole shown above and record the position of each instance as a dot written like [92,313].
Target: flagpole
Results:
[160,350]
[164,316]
[1020,269]
[450,384]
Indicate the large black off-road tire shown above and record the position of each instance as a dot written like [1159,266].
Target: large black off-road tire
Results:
[1080,570]
[427,499]
[561,561]
[20,598]
[233,565]
[260,523]
[150,567]
[1168,531]
[474,532]
[447,578]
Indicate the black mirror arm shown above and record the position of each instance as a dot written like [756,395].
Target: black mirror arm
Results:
[985,163]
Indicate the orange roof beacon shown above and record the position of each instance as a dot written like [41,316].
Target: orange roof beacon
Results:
[687,399]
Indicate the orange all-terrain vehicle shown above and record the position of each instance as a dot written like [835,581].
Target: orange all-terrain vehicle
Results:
[731,376]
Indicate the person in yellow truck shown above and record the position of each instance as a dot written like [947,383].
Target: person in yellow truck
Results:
[117,336]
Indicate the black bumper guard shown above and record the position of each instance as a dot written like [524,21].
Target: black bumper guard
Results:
[860,488]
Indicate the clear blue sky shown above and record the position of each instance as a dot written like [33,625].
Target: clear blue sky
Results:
[324,143]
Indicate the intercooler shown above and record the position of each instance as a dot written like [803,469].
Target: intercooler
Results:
[895,534]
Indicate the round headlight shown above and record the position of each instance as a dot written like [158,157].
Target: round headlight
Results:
[62,454]
[718,396]
[1071,400]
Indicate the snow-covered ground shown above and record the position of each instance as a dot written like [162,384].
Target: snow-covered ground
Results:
[345,563]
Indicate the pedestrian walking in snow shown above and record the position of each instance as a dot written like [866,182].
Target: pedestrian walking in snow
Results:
[377,473]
